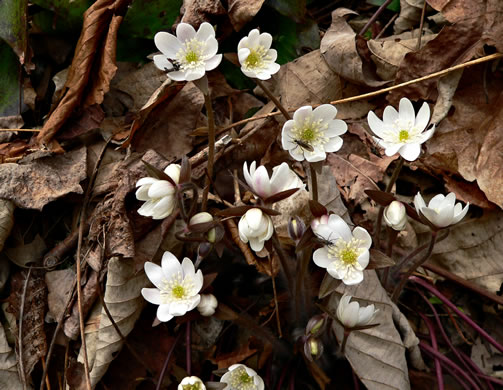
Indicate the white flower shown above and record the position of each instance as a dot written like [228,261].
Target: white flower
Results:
[395,215]
[158,194]
[207,305]
[204,217]
[241,377]
[256,56]
[347,254]
[402,132]
[191,383]
[313,133]
[177,286]
[282,179]
[190,54]
[256,227]
[352,315]
[442,211]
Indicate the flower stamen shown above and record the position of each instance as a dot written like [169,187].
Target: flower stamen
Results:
[403,135]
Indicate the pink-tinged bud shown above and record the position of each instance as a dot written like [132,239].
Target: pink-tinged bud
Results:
[313,348]
[323,220]
[296,228]
[316,325]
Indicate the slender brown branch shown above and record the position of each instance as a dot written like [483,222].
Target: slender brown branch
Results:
[20,330]
[421,25]
[374,17]
[412,269]
[386,27]
[314,183]
[166,362]
[274,99]
[275,292]
[211,149]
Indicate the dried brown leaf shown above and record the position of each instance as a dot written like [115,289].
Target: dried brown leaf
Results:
[338,47]
[9,378]
[46,179]
[242,11]
[6,220]
[59,286]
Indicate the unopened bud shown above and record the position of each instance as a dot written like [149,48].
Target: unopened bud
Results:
[395,215]
[204,217]
[316,325]
[296,228]
[313,348]
[207,305]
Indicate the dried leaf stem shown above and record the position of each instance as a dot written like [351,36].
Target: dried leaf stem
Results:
[274,99]
[421,25]
[20,330]
[211,149]
[374,17]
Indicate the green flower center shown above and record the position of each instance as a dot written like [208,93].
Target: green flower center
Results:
[195,386]
[348,256]
[191,56]
[308,134]
[245,378]
[253,59]
[178,291]
[403,135]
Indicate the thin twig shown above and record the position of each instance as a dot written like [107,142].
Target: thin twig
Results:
[314,183]
[25,130]
[165,365]
[274,99]
[275,293]
[211,148]
[386,27]
[20,330]
[421,25]
[374,17]
[188,348]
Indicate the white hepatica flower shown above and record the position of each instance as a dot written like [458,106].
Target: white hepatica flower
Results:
[352,315]
[442,211]
[190,54]
[159,195]
[402,132]
[255,226]
[395,215]
[241,377]
[347,255]
[207,305]
[282,179]
[313,133]
[177,286]
[191,383]
[256,56]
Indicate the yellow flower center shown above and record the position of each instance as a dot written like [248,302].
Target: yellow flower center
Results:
[178,291]
[253,59]
[191,56]
[348,256]
[403,135]
[240,380]
[308,135]
[245,378]
[195,386]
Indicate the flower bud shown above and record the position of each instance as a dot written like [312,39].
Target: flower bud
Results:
[316,325]
[204,217]
[296,228]
[191,383]
[313,348]
[395,215]
[351,315]
[207,305]
[323,220]
[256,227]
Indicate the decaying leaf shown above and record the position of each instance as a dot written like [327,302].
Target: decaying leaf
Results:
[124,301]
[410,14]
[9,378]
[242,11]
[60,284]
[46,179]
[338,47]
[377,355]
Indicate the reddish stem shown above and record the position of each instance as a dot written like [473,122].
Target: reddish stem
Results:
[438,366]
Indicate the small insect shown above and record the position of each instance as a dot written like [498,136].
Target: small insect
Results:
[176,67]
[325,241]
[303,145]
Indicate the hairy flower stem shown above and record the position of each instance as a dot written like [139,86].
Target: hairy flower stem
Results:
[166,362]
[347,332]
[389,187]
[412,269]
[434,344]
[301,286]
[274,99]
[284,262]
[211,149]
[188,348]
[392,235]
[454,308]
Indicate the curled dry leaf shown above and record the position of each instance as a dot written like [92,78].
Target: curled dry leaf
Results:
[124,301]
[35,184]
[377,355]
[196,12]
[94,55]
[338,47]
[409,17]
[242,11]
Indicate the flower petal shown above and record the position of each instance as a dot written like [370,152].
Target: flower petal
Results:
[265,40]
[336,127]
[280,178]
[365,315]
[170,265]
[162,62]
[243,54]
[325,112]
[410,152]
[178,308]
[185,32]
[193,302]
[167,43]
[390,115]
[194,74]
[205,31]
[302,113]
[261,182]
[198,281]
[376,125]
[340,227]
[154,274]
[392,149]
[163,313]
[152,295]
[364,259]
[213,62]
[458,216]
[253,38]
[147,208]
[423,117]
[317,155]
[163,208]
[188,268]
[333,144]
[361,234]
[419,202]
[353,277]
[437,202]
[160,188]
[320,257]
[406,111]
[142,193]
[211,48]
[256,244]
